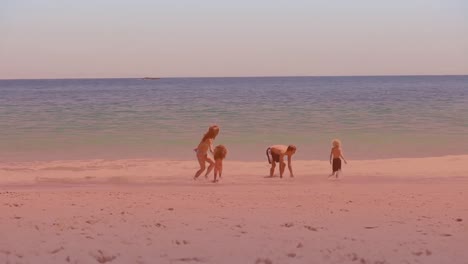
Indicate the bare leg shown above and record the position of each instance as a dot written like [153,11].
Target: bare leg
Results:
[216,170]
[282,167]
[272,169]
[215,174]
[201,161]
[210,168]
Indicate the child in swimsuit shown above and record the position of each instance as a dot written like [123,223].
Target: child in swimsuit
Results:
[219,154]
[337,154]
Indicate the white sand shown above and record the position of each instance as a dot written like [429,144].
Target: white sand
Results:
[146,211]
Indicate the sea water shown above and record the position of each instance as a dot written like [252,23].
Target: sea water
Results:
[375,117]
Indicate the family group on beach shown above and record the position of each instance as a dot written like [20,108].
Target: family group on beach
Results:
[277,153]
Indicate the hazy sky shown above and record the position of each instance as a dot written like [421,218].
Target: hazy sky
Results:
[116,38]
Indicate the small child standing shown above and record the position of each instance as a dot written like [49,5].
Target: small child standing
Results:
[219,154]
[337,154]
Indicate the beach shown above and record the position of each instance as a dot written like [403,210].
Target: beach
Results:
[110,110]
[101,170]
[406,210]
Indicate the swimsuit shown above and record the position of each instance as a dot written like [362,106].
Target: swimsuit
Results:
[199,153]
[274,156]
[336,164]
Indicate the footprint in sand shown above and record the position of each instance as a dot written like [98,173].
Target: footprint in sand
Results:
[14,205]
[102,257]
[263,261]
[92,221]
[193,259]
[353,256]
[420,253]
[311,228]
[159,225]
[183,242]
[6,252]
[56,250]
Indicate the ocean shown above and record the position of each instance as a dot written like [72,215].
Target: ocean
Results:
[375,117]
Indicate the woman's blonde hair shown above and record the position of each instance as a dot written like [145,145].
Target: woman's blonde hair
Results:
[336,143]
[220,152]
[212,133]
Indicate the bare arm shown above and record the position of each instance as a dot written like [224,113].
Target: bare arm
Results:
[290,166]
[211,146]
[331,154]
[341,155]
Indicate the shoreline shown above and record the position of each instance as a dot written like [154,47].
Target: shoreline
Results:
[141,171]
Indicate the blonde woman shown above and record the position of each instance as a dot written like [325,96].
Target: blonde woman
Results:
[206,144]
[337,154]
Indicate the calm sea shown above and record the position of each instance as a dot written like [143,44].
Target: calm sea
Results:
[375,117]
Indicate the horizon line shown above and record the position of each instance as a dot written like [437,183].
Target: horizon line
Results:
[253,76]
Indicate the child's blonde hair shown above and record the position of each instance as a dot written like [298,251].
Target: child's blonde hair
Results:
[220,152]
[336,143]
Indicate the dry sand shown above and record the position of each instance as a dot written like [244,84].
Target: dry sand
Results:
[147,211]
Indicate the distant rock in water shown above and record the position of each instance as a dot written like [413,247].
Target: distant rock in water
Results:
[151,78]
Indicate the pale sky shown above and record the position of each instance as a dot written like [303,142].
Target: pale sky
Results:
[204,38]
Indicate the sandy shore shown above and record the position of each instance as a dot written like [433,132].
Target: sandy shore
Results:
[143,211]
